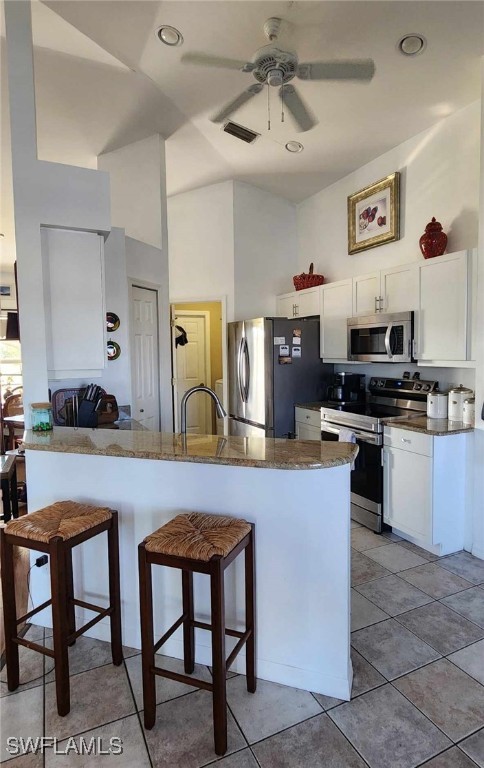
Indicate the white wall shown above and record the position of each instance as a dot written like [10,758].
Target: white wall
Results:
[116,377]
[46,194]
[201,244]
[235,240]
[440,177]
[137,176]
[138,193]
[265,242]
[478,463]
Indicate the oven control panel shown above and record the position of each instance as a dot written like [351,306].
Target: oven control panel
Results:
[406,386]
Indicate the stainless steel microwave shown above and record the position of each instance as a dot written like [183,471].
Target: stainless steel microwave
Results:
[381,338]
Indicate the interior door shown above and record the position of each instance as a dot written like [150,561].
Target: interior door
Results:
[146,398]
[192,367]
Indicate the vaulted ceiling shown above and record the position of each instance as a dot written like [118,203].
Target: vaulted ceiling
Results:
[103,79]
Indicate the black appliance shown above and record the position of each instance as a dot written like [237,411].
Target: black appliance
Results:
[346,388]
[387,400]
[274,363]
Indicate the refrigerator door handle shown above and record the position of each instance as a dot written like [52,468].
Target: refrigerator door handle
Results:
[246,370]
[239,370]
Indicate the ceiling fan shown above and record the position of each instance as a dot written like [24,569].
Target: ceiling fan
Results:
[275,67]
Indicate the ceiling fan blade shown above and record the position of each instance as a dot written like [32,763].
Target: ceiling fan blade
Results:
[236,103]
[296,106]
[349,69]
[205,60]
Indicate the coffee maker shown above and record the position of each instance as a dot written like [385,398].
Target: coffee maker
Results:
[346,388]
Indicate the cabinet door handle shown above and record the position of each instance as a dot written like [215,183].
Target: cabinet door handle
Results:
[405,440]
[376,304]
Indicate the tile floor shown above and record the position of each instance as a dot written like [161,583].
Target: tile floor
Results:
[418,691]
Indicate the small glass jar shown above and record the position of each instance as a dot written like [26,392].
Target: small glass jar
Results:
[41,417]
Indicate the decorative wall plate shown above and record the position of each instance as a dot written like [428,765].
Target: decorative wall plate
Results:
[112,322]
[114,350]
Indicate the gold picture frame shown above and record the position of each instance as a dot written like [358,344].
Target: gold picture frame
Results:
[374,214]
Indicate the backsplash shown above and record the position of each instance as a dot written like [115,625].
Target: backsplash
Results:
[447,377]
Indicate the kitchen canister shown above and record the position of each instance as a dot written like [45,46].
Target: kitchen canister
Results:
[469,412]
[41,417]
[457,395]
[437,405]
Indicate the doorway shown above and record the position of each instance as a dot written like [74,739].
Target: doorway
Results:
[197,361]
[145,362]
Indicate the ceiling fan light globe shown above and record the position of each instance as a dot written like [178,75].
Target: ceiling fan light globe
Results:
[274,78]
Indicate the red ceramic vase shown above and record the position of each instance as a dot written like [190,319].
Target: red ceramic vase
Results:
[433,242]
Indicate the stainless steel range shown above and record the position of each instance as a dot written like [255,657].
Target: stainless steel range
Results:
[387,400]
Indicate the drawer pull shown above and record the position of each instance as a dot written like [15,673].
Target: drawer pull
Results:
[405,440]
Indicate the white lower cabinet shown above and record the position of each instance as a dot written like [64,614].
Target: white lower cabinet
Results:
[424,488]
[308,424]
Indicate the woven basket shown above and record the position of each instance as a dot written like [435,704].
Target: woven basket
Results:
[307,280]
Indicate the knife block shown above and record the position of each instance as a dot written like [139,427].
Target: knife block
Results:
[87,416]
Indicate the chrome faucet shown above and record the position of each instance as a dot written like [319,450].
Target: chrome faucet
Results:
[221,412]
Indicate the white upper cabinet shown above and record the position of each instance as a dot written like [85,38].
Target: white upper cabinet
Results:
[73,265]
[336,307]
[366,294]
[298,303]
[389,290]
[444,317]
[399,289]
[439,291]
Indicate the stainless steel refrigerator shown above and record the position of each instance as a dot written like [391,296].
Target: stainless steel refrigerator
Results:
[274,363]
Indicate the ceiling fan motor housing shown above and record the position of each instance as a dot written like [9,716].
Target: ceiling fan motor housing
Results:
[269,61]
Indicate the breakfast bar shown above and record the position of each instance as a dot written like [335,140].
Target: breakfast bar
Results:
[296,492]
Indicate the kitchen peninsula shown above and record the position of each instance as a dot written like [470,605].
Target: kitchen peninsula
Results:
[296,492]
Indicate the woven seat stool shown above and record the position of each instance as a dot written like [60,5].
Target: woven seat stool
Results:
[56,530]
[198,543]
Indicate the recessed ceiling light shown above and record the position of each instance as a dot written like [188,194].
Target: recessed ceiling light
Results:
[169,35]
[294,146]
[412,44]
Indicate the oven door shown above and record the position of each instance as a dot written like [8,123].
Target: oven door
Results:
[366,476]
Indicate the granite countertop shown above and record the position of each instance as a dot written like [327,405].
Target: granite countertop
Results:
[310,406]
[437,427]
[269,453]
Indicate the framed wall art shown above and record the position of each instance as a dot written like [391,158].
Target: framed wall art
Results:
[374,214]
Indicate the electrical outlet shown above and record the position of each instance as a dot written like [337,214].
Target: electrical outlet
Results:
[43,560]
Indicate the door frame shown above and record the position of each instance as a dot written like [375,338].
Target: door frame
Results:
[223,303]
[208,366]
[135,283]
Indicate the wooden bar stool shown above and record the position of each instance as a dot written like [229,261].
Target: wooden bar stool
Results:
[56,530]
[198,543]
[8,479]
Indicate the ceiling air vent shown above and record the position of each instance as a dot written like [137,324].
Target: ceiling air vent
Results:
[240,132]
